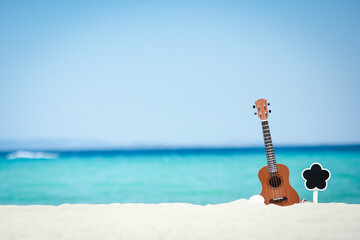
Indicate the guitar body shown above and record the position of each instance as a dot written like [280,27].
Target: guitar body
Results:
[276,188]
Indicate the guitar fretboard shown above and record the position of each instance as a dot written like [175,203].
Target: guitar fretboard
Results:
[270,155]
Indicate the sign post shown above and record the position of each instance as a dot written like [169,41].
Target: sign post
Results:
[315,195]
[316,178]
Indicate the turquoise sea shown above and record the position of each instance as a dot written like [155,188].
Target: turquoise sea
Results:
[199,176]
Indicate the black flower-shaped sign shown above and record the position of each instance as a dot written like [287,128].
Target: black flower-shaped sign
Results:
[316,177]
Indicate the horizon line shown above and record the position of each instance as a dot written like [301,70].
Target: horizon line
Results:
[194,148]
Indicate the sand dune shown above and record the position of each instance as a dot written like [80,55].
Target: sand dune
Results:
[235,220]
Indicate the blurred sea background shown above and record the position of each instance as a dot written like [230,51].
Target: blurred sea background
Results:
[151,101]
[200,176]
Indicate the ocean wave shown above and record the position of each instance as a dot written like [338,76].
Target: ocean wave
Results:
[31,155]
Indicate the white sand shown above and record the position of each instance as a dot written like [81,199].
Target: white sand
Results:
[235,220]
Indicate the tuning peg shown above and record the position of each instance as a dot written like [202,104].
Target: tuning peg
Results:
[268,104]
[269,111]
[255,113]
[253,106]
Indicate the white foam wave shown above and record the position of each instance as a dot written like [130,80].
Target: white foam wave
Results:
[31,155]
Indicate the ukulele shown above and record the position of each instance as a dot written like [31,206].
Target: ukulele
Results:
[274,177]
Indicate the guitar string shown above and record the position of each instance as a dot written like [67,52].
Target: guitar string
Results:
[275,182]
[278,183]
[274,176]
[278,180]
[271,180]
[272,192]
[270,167]
[270,157]
[272,183]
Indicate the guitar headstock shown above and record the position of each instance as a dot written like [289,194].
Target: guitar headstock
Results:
[261,106]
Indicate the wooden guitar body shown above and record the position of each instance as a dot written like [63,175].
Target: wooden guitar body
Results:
[276,187]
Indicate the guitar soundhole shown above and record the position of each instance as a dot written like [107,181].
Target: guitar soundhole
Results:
[275,181]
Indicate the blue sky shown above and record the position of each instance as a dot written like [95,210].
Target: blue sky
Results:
[179,73]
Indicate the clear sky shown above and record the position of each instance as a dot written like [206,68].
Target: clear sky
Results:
[180,72]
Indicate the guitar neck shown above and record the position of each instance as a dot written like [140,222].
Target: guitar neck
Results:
[270,155]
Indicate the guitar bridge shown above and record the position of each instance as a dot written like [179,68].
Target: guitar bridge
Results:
[278,200]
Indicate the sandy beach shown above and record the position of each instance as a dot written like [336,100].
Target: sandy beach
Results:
[234,220]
